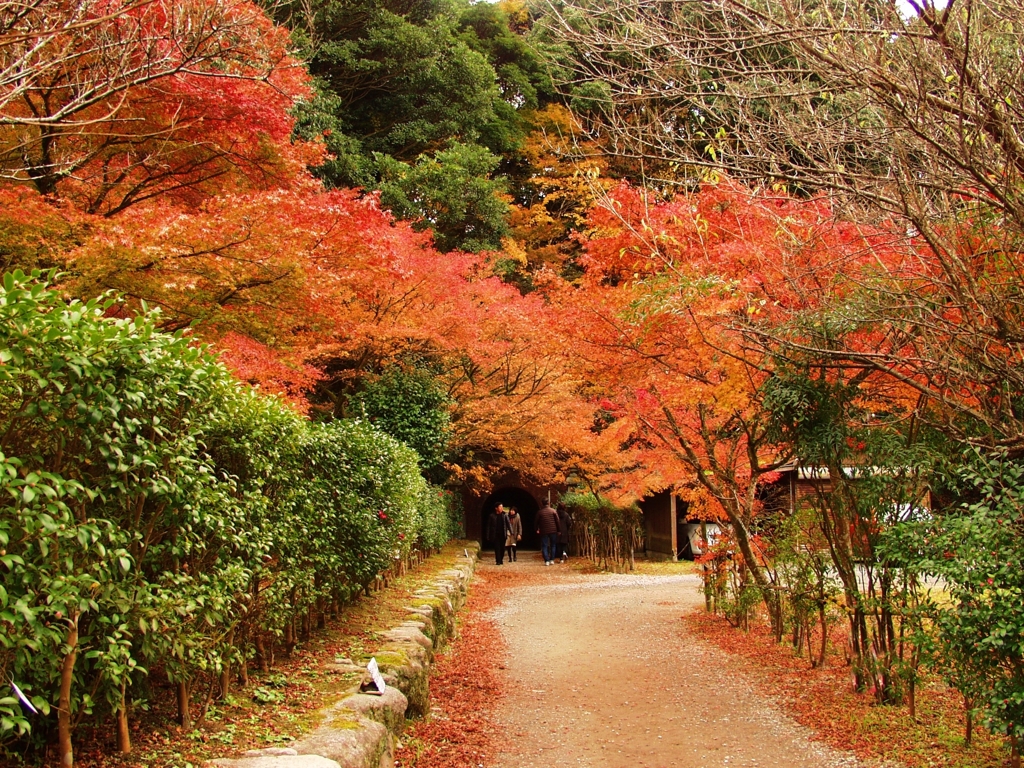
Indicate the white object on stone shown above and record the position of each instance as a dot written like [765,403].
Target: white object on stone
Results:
[374,671]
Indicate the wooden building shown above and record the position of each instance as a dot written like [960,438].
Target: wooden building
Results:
[800,486]
[668,535]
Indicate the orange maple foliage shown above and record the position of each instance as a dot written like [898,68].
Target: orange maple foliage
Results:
[118,102]
[569,173]
[170,178]
[666,319]
[304,286]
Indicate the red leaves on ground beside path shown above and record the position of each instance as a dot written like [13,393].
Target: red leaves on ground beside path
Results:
[824,701]
[465,689]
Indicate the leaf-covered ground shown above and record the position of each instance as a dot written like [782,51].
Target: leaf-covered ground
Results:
[824,700]
[467,684]
[464,689]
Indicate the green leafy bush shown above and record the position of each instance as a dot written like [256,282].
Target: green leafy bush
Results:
[122,547]
[158,516]
[978,553]
[412,406]
[441,517]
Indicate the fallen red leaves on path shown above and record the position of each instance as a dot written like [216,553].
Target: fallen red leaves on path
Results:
[824,700]
[465,687]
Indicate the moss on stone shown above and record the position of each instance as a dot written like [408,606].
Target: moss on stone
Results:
[344,721]
[390,658]
[433,603]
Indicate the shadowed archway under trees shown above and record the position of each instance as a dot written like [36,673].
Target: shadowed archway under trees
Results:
[524,502]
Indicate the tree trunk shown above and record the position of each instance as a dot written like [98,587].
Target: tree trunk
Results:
[824,635]
[225,671]
[707,584]
[124,738]
[261,653]
[915,663]
[862,663]
[67,676]
[289,635]
[769,596]
[887,644]
[184,708]
[709,605]
[225,680]
[969,725]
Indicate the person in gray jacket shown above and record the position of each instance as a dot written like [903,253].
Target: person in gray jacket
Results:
[515,533]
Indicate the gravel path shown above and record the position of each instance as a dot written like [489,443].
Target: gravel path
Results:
[603,674]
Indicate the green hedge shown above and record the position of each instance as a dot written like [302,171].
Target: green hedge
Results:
[156,515]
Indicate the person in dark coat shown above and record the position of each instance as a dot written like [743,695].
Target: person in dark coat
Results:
[564,524]
[547,529]
[515,533]
[497,532]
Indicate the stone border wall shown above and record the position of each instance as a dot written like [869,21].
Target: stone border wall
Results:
[361,730]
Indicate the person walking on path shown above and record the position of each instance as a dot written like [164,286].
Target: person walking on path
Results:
[564,523]
[547,529]
[515,533]
[497,532]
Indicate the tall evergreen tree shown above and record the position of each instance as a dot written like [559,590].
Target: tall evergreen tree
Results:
[427,101]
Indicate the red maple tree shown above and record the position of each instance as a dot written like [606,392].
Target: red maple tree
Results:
[111,103]
[668,318]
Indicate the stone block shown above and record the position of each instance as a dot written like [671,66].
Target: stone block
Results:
[388,708]
[277,761]
[353,742]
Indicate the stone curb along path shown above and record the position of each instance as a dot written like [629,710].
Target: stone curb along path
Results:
[361,730]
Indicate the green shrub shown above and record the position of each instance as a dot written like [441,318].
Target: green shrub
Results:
[122,547]
[155,514]
[978,554]
[412,406]
[603,531]
[441,516]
